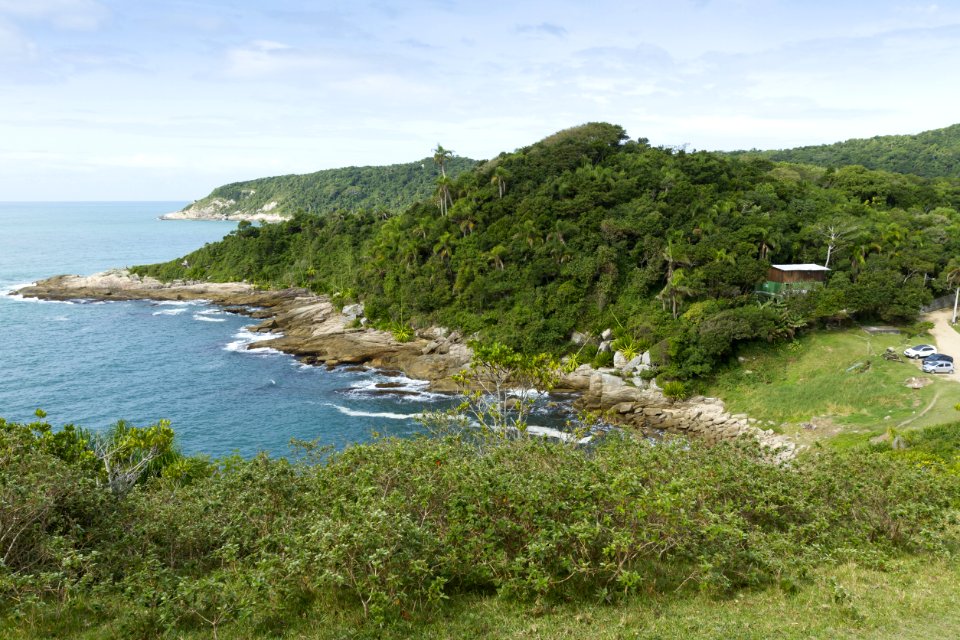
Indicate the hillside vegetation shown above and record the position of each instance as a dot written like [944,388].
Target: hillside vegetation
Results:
[388,188]
[932,154]
[385,537]
[588,229]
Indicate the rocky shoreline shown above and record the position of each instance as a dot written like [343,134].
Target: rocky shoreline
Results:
[308,326]
[311,328]
[220,209]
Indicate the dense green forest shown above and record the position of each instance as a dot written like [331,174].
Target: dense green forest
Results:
[932,154]
[116,535]
[388,188]
[588,229]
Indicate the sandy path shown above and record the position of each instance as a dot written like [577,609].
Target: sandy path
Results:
[946,338]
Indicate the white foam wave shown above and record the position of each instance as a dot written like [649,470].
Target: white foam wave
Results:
[19,298]
[372,414]
[15,287]
[263,351]
[245,337]
[406,389]
[179,303]
[550,432]
[171,312]
[198,316]
[210,312]
[527,394]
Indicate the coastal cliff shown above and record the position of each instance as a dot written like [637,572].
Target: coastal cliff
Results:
[226,209]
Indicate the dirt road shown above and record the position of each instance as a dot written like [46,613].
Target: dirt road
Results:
[945,337]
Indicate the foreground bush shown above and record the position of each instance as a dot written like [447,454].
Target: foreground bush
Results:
[392,529]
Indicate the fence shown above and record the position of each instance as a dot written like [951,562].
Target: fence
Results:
[940,303]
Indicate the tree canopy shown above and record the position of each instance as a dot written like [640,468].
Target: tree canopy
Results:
[592,230]
[388,188]
[932,154]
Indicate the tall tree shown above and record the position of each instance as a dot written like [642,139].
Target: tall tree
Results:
[673,254]
[444,197]
[440,156]
[499,178]
[834,235]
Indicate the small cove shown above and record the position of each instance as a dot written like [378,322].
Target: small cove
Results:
[95,363]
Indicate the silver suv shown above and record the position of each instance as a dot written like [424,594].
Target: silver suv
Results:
[937,366]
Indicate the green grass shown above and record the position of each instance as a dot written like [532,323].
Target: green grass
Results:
[907,599]
[811,380]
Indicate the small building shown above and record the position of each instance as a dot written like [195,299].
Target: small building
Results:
[788,279]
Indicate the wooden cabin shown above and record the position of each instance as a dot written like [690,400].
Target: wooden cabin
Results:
[786,279]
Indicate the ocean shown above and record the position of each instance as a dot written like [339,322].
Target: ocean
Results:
[91,364]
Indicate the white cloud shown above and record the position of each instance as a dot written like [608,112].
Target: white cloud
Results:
[80,15]
[265,58]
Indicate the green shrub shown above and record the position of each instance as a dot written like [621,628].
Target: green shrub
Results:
[675,390]
[602,359]
[386,531]
[401,332]
[648,374]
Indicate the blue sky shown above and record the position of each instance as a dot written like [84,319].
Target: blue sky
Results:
[139,99]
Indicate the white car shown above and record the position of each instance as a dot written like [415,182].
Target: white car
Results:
[937,366]
[920,351]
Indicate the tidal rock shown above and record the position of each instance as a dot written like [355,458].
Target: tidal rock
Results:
[619,360]
[353,311]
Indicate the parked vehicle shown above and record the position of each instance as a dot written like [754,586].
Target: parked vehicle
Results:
[938,366]
[938,356]
[920,351]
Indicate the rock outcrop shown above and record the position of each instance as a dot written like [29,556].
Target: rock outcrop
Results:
[220,209]
[641,405]
[309,326]
[312,329]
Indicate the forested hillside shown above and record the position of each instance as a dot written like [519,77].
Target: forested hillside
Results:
[388,188]
[931,154]
[588,229]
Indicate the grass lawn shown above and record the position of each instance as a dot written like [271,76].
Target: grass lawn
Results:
[916,598]
[908,601]
[815,379]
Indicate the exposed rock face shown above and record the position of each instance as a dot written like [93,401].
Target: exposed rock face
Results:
[643,406]
[220,209]
[312,328]
[317,333]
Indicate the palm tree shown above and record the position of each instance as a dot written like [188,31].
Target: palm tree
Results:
[467,226]
[722,256]
[499,178]
[444,246]
[860,253]
[893,236]
[673,255]
[440,156]
[496,254]
[444,199]
[679,286]
[528,233]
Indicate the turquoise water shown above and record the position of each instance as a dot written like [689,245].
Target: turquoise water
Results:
[94,363]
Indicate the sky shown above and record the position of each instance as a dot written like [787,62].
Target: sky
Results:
[151,100]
